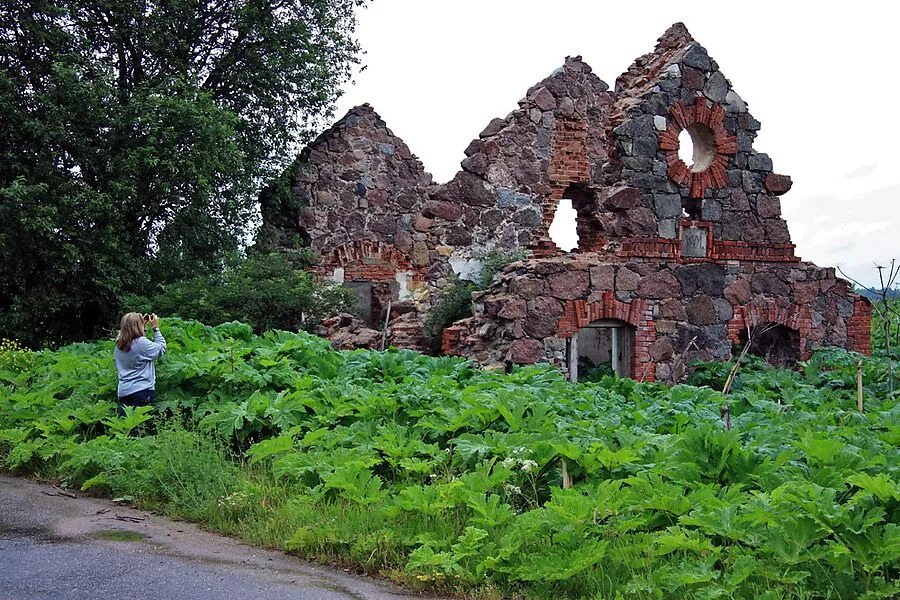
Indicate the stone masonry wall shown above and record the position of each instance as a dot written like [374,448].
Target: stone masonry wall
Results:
[688,255]
[535,306]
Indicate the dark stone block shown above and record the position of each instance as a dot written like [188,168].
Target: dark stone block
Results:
[704,278]
[716,87]
[760,162]
[667,206]
[697,57]
[769,284]
[528,217]
[526,351]
[493,128]
[441,209]
[701,311]
[693,79]
[659,285]
[477,163]
[458,236]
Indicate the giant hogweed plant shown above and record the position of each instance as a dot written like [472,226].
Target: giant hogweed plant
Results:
[443,475]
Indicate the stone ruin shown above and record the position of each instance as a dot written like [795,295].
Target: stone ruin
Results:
[675,262]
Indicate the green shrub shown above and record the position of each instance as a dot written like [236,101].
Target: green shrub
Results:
[455,300]
[267,291]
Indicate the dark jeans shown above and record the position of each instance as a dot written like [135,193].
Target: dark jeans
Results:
[141,398]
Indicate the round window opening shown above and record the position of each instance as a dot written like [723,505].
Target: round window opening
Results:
[697,147]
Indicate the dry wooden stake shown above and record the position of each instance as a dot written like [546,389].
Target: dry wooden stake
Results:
[859,396]
[566,478]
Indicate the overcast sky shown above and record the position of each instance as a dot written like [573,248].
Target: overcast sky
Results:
[821,77]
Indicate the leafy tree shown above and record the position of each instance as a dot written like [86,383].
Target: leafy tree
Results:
[267,291]
[133,134]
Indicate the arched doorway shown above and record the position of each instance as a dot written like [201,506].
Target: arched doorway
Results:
[603,347]
[777,344]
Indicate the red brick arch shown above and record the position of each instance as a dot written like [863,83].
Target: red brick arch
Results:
[368,251]
[578,314]
[796,316]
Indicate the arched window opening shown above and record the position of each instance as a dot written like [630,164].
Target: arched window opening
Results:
[601,348]
[584,201]
[563,230]
[777,344]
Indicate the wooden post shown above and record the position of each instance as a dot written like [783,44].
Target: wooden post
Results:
[566,478]
[859,395]
[387,320]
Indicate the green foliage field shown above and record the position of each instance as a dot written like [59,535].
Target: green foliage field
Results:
[444,476]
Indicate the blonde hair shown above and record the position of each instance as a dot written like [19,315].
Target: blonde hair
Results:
[131,328]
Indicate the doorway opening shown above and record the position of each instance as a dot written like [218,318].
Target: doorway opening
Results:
[777,344]
[601,348]
[372,299]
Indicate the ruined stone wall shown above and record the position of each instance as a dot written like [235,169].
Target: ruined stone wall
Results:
[517,170]
[536,305]
[679,87]
[680,252]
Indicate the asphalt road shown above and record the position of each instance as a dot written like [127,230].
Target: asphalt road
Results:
[54,546]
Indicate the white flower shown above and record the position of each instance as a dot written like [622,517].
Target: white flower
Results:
[509,462]
[513,490]
[528,465]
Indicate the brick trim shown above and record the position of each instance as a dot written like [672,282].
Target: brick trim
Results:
[367,251]
[638,313]
[859,326]
[683,117]
[762,311]
[568,164]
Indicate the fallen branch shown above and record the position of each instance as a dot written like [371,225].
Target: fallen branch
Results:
[59,492]
[128,519]
[678,361]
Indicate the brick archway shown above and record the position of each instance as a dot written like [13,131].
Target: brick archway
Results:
[638,313]
[797,317]
[374,259]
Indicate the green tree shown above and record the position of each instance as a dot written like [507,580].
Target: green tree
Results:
[266,291]
[133,134]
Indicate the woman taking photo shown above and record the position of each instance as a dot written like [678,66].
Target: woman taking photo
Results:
[134,355]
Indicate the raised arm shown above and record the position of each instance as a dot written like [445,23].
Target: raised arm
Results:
[157,347]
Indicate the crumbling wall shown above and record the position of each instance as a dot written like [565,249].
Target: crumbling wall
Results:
[518,169]
[676,88]
[680,312]
[688,255]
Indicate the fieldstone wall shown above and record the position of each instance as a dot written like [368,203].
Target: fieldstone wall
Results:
[536,305]
[679,87]
[688,255]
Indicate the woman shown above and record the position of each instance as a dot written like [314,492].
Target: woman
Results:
[134,355]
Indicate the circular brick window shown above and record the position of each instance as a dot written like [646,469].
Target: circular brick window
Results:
[697,146]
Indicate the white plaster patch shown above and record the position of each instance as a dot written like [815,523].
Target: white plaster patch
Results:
[403,278]
[468,269]
[660,122]
[338,275]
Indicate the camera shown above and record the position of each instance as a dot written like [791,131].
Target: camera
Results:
[146,318]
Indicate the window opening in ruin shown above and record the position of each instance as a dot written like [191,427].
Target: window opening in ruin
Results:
[777,344]
[601,348]
[587,225]
[563,229]
[697,147]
